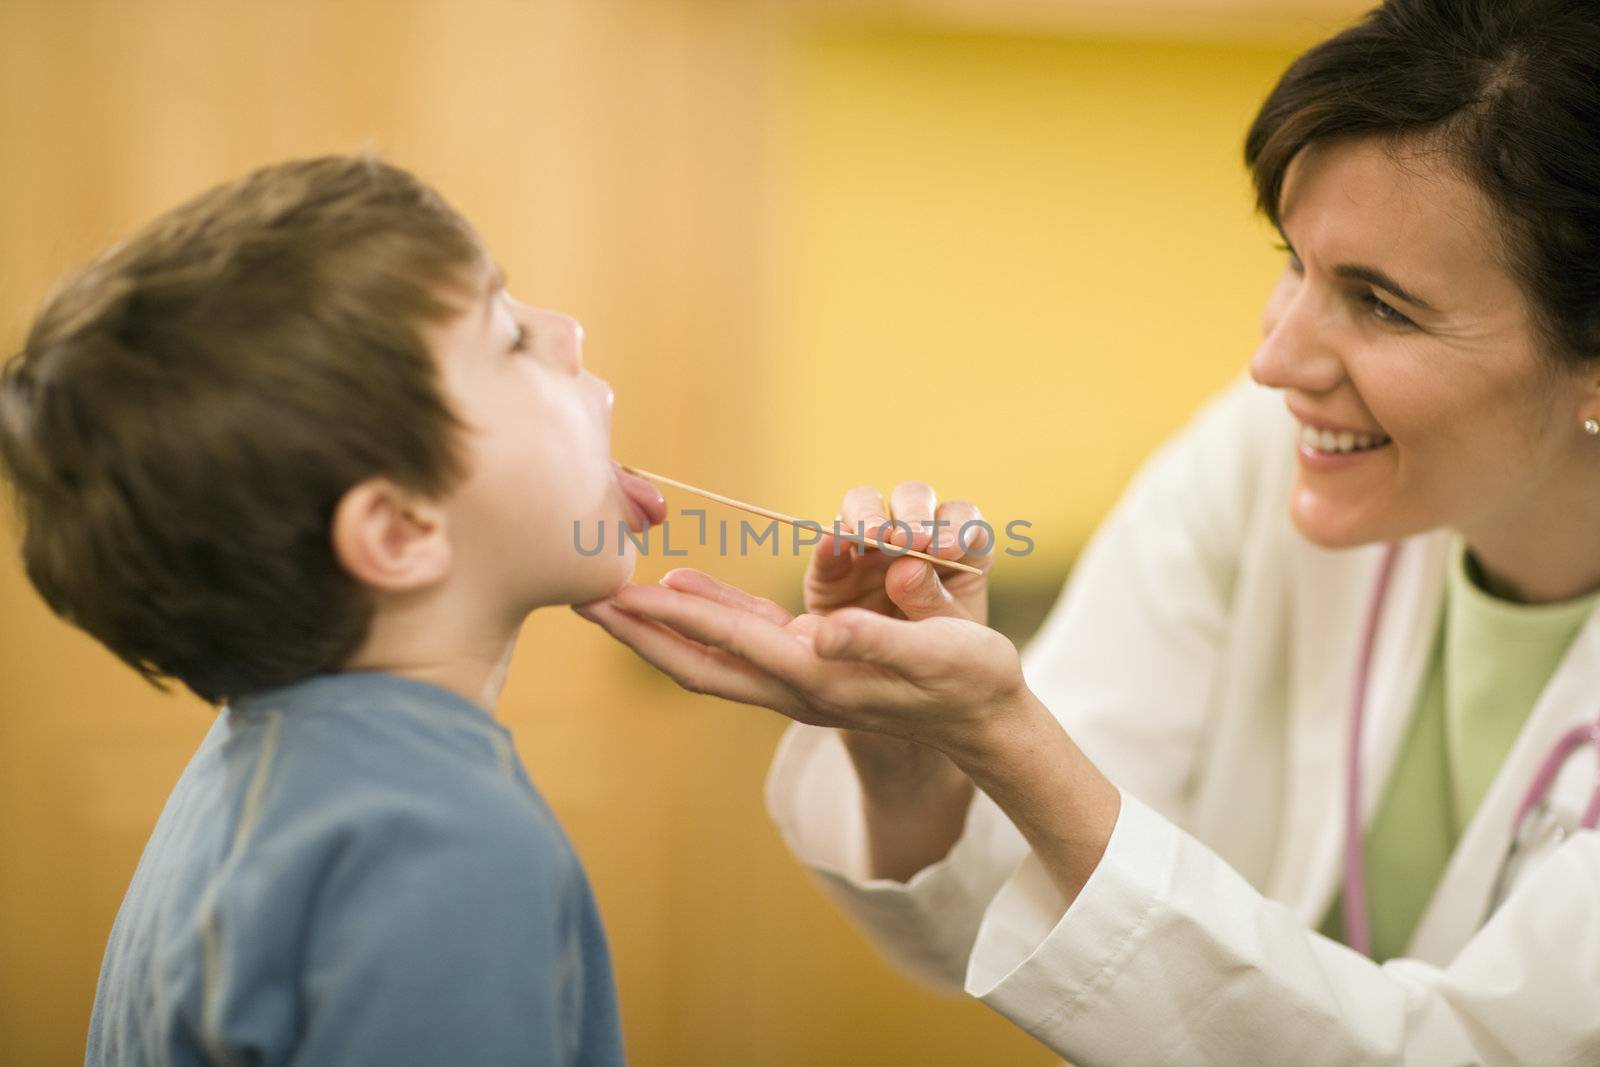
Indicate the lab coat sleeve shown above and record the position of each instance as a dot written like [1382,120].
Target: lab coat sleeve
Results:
[1125,659]
[925,926]
[1168,956]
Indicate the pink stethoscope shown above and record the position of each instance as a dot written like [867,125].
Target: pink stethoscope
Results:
[1358,932]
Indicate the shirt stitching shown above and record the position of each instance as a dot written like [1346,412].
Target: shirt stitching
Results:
[1114,960]
[210,936]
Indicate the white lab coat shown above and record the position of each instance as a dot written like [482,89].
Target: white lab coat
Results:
[1204,656]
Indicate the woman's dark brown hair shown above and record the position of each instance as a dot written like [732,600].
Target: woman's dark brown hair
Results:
[1508,91]
[189,408]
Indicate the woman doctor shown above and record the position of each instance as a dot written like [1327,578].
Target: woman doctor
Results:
[1329,673]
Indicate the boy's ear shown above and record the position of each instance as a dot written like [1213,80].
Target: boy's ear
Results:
[390,539]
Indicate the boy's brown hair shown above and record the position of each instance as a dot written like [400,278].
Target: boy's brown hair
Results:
[188,410]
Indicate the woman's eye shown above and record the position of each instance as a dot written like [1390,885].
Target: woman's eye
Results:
[521,342]
[1384,311]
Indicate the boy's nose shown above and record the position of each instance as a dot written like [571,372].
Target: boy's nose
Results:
[565,334]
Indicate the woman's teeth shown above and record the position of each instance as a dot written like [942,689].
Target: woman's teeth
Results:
[1343,441]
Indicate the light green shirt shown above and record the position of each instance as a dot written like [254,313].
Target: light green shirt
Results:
[1490,661]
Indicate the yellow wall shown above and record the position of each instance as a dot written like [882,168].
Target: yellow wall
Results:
[1011,265]
[808,257]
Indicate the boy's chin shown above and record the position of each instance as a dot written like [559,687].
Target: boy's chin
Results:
[605,580]
[583,579]
[595,580]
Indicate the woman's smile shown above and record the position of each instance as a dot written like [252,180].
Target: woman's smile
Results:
[1324,445]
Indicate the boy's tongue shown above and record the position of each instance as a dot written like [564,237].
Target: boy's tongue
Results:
[643,494]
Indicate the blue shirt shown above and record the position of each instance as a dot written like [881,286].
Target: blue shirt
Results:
[355,869]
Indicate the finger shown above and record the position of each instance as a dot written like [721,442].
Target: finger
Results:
[863,504]
[692,665]
[963,534]
[913,504]
[739,633]
[698,583]
[917,590]
[863,511]
[867,637]
[936,651]
[832,560]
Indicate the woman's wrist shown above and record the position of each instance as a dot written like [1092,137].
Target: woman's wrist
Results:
[1002,733]
[905,836]
[896,772]
[1024,760]
[914,802]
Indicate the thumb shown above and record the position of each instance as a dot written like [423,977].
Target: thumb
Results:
[861,635]
[915,588]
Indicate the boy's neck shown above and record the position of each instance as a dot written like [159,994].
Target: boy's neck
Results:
[479,682]
[422,640]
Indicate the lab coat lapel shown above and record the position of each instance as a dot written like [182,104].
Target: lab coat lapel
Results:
[1459,902]
[1331,621]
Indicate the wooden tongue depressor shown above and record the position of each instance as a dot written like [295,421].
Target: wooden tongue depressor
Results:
[893,550]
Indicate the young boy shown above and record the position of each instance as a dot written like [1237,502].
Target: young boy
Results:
[295,447]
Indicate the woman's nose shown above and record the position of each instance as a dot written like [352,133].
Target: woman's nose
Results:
[1293,353]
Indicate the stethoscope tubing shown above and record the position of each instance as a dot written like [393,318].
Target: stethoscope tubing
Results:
[1357,923]
[1357,926]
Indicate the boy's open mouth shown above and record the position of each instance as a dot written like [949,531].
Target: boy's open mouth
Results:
[646,506]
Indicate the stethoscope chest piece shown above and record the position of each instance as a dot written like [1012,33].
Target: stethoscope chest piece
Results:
[1540,832]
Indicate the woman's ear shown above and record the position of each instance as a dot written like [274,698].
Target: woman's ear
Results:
[1589,401]
[390,539]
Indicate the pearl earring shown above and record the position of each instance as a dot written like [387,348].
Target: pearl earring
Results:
[1591,426]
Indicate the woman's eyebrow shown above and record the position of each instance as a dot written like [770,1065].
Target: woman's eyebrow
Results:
[1371,275]
[1374,276]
